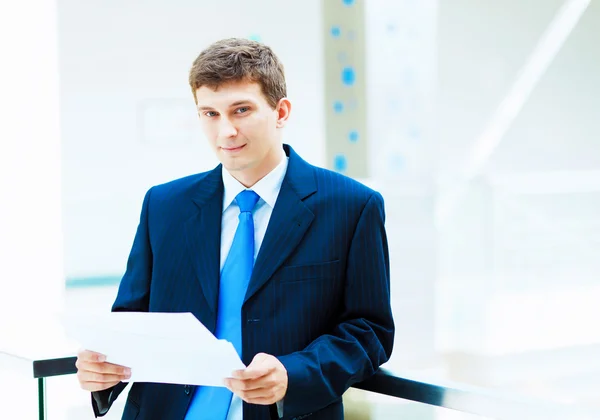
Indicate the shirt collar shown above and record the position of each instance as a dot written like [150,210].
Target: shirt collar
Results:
[267,188]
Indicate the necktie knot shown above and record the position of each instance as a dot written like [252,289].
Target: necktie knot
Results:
[246,200]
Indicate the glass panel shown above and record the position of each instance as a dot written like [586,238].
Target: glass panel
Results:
[362,405]
[67,401]
[496,275]
[18,392]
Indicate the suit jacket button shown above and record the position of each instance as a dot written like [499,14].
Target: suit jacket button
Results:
[187,389]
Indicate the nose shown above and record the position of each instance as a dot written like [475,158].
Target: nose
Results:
[226,129]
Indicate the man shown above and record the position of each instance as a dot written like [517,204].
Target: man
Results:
[287,261]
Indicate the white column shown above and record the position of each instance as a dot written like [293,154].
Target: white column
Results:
[401,66]
[31,247]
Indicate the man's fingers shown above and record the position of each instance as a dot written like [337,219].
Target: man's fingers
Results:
[263,396]
[102,368]
[116,369]
[95,374]
[261,393]
[91,356]
[265,381]
[86,376]
[259,366]
[107,374]
[250,374]
[253,372]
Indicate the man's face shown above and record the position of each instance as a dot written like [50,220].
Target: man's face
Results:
[241,126]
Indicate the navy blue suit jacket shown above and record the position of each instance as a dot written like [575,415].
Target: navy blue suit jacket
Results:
[318,299]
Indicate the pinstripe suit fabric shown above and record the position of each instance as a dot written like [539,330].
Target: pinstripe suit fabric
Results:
[318,299]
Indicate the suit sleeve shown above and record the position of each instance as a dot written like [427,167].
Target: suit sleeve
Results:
[134,291]
[363,340]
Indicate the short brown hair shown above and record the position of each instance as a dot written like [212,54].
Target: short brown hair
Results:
[239,59]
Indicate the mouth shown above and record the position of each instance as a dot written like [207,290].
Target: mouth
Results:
[233,149]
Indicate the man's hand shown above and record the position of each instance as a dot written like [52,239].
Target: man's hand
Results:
[95,374]
[263,382]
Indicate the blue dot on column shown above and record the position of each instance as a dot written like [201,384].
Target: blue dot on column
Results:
[353,136]
[348,76]
[340,163]
[338,107]
[335,31]
[348,2]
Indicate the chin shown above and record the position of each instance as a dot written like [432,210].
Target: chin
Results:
[233,166]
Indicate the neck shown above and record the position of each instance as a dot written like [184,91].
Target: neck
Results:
[251,177]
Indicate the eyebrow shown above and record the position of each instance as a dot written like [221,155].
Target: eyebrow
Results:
[236,103]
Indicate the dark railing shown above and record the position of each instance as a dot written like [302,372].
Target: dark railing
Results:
[460,397]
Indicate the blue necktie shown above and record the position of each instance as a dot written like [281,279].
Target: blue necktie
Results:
[212,403]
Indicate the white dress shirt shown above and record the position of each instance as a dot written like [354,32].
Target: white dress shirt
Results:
[268,190]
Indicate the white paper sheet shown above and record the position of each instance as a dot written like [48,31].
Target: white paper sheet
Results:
[158,347]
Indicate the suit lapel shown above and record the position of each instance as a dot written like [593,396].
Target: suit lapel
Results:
[203,233]
[288,224]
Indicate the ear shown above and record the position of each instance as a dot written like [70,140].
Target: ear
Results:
[283,109]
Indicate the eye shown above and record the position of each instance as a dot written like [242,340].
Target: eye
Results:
[210,113]
[242,110]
